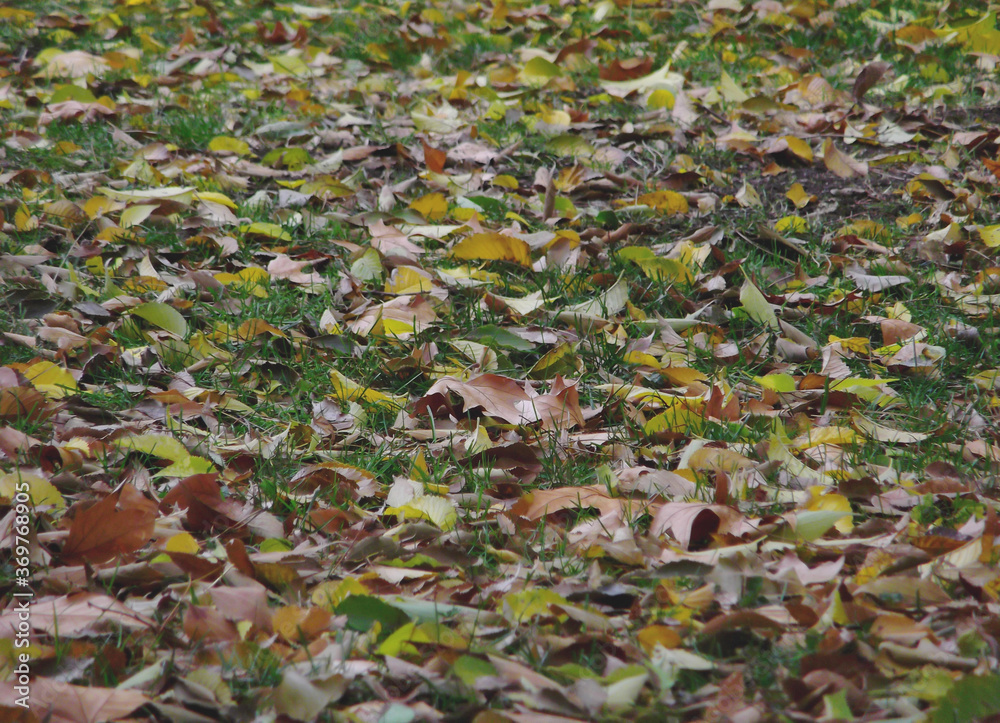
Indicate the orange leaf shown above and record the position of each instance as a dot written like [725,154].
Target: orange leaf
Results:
[434,158]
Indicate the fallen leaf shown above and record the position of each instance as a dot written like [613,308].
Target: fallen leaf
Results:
[119,524]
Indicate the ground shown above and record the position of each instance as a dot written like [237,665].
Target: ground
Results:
[499,361]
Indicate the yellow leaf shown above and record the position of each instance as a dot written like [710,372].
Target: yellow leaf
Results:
[857,344]
[669,202]
[981,36]
[813,524]
[791,224]
[182,542]
[269,230]
[865,228]
[682,376]
[179,194]
[799,147]
[853,383]
[714,459]
[186,467]
[898,311]
[51,379]
[990,235]
[678,418]
[505,181]
[162,315]
[530,603]
[555,117]
[289,64]
[730,90]
[493,246]
[252,279]
[660,98]
[438,510]
[419,470]
[824,435]
[777,382]
[876,564]
[747,196]
[350,391]
[408,280]
[882,433]
[798,196]
[841,164]
[159,445]
[330,594]
[396,327]
[40,490]
[820,500]
[214,197]
[23,220]
[433,206]
[987,380]
[660,269]
[228,144]
[662,635]
[642,358]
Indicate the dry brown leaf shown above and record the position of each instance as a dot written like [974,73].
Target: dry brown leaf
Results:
[83,614]
[497,397]
[695,522]
[58,702]
[540,503]
[868,282]
[207,625]
[868,77]
[559,409]
[119,524]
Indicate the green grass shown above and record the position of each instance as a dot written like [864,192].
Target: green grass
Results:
[380,62]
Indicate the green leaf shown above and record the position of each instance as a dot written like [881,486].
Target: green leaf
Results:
[570,144]
[72,92]
[636,253]
[363,611]
[667,270]
[159,445]
[561,360]
[187,467]
[757,307]
[494,336]
[368,266]
[971,698]
[401,641]
[492,206]
[835,706]
[469,669]
[162,315]
[777,382]
[538,71]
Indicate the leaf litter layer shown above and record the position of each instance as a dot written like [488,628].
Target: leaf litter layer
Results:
[499,361]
